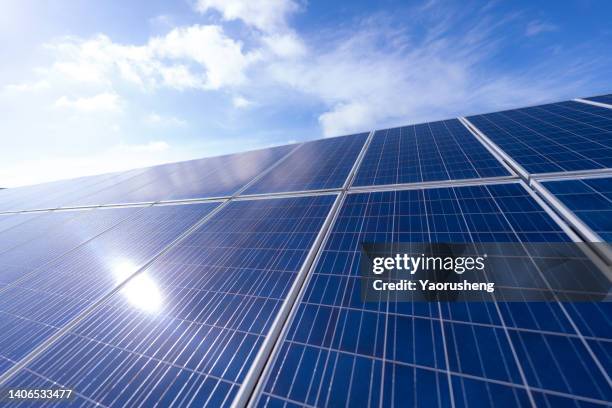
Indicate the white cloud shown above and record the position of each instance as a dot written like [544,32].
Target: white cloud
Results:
[285,45]
[198,56]
[103,102]
[241,102]
[28,86]
[536,27]
[155,119]
[266,15]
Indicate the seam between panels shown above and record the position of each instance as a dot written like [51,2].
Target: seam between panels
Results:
[594,103]
[67,252]
[261,365]
[586,234]
[489,147]
[422,185]
[104,298]
[533,186]
[518,169]
[561,223]
[573,175]
[348,183]
[266,171]
[258,372]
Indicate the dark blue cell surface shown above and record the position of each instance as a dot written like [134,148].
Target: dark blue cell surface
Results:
[434,151]
[185,331]
[42,300]
[589,199]
[607,99]
[557,137]
[427,354]
[314,165]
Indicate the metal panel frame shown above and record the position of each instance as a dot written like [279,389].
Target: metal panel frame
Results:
[594,103]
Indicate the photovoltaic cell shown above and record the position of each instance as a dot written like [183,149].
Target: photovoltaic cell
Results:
[320,164]
[589,199]
[41,302]
[340,351]
[435,151]
[558,137]
[187,331]
[607,99]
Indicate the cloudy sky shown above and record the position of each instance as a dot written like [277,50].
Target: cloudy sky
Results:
[96,86]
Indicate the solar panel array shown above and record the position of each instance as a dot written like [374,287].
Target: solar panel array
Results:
[235,280]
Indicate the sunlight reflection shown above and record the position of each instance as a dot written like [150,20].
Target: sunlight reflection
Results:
[141,291]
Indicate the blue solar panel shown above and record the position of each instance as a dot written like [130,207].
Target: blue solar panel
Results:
[8,221]
[188,329]
[315,165]
[52,295]
[589,199]
[202,178]
[58,193]
[563,136]
[434,151]
[210,177]
[49,235]
[340,351]
[607,99]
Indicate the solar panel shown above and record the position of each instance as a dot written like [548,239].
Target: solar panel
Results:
[186,332]
[435,151]
[320,164]
[50,237]
[607,99]
[565,136]
[340,351]
[202,178]
[589,199]
[58,193]
[46,298]
[8,221]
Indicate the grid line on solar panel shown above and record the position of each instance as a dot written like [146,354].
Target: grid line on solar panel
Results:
[607,99]
[443,150]
[320,358]
[55,295]
[589,199]
[317,165]
[219,290]
[564,136]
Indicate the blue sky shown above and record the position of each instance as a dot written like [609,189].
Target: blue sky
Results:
[96,86]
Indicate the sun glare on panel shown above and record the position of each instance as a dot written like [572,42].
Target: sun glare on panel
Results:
[141,291]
